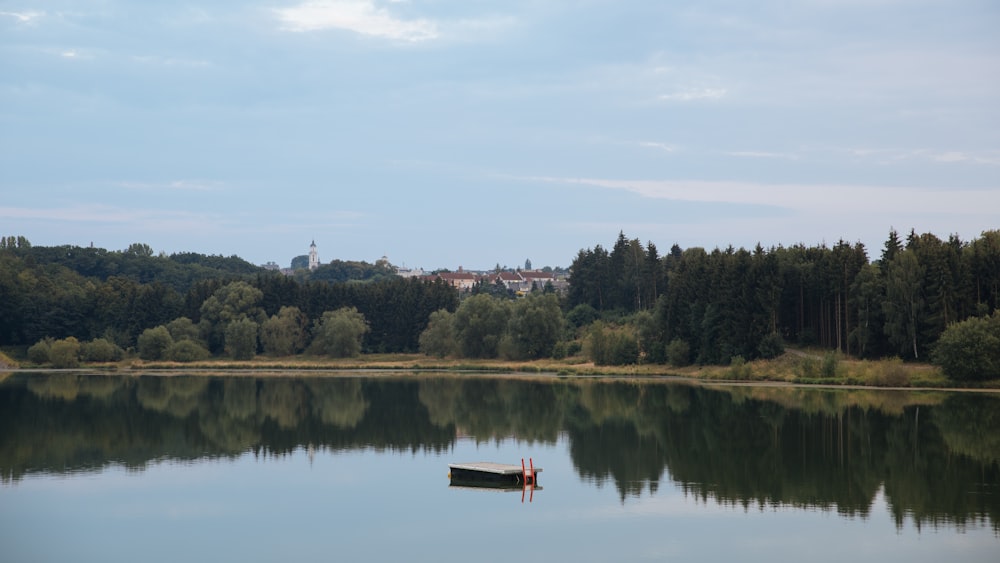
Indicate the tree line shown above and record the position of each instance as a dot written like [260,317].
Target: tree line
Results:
[86,295]
[717,305]
[923,298]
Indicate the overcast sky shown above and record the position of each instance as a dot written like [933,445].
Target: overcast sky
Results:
[461,132]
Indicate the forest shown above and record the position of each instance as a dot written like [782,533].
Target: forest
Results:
[49,294]
[922,299]
[713,306]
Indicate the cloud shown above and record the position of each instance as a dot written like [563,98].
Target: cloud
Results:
[141,219]
[71,54]
[693,94]
[23,17]
[655,145]
[359,16]
[810,198]
[170,62]
[174,185]
[985,157]
[763,154]
[944,156]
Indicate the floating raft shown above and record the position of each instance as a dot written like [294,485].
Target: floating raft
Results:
[489,474]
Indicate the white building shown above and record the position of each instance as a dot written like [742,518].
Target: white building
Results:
[313,256]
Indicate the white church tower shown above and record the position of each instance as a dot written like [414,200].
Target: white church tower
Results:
[313,256]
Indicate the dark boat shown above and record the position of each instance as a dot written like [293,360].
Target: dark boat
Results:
[493,475]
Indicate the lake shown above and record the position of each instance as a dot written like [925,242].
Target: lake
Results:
[336,467]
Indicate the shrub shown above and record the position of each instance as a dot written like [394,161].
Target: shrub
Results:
[609,346]
[508,349]
[559,351]
[651,348]
[582,315]
[771,346]
[739,368]
[38,353]
[101,350]
[187,351]
[597,343]
[892,373]
[808,368]
[831,361]
[65,353]
[969,350]
[153,343]
[679,353]
[624,350]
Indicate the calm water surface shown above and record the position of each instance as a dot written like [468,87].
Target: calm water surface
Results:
[198,468]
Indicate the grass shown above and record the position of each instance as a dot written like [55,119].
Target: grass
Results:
[794,367]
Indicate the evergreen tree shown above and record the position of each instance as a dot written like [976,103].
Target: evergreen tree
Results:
[892,247]
[866,297]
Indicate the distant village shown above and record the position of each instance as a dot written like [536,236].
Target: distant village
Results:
[517,280]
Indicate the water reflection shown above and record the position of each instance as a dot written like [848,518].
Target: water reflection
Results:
[935,457]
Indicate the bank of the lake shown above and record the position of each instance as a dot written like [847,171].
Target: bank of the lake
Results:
[799,367]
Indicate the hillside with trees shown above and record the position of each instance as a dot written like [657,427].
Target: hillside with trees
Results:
[191,306]
[922,299]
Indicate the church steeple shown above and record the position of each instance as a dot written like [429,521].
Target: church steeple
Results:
[313,256]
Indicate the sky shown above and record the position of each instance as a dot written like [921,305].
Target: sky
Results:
[447,133]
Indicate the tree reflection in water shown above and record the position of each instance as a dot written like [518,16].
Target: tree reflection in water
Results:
[935,455]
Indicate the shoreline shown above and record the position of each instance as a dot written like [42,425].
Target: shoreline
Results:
[761,373]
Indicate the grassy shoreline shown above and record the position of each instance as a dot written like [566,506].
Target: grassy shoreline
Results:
[793,368]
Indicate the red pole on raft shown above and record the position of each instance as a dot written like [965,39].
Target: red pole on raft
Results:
[524,480]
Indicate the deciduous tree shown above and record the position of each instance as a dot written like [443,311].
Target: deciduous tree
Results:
[339,333]
[438,339]
[153,343]
[904,303]
[65,353]
[480,324]
[284,333]
[232,302]
[241,339]
[101,350]
[535,325]
[970,350]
